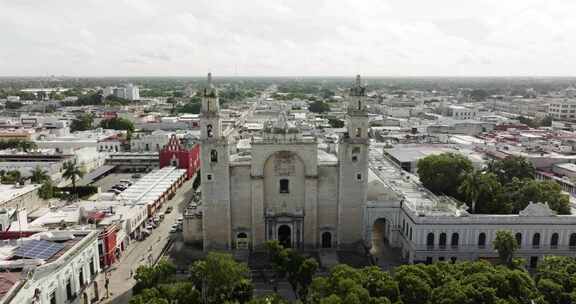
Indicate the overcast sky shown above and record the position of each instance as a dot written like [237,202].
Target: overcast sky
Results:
[290,37]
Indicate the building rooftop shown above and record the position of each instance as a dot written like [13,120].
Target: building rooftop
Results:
[414,152]
[13,268]
[151,186]
[407,186]
[567,166]
[10,192]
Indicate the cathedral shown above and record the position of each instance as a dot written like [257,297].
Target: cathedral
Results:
[287,189]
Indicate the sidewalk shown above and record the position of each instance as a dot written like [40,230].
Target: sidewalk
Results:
[143,252]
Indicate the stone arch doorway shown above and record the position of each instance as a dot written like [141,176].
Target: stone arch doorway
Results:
[96,291]
[379,236]
[326,240]
[85,298]
[285,236]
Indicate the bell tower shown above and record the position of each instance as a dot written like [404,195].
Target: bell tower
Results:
[353,166]
[210,112]
[215,172]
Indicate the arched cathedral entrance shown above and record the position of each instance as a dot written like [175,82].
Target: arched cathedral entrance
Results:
[285,236]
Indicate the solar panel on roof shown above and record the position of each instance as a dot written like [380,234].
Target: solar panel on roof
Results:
[38,249]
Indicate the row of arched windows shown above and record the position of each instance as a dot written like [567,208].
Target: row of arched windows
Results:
[536,240]
[454,240]
[554,240]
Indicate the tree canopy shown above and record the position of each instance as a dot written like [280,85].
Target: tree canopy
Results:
[505,243]
[512,167]
[318,106]
[19,144]
[222,279]
[117,123]
[505,186]
[443,173]
[296,268]
[336,123]
[82,122]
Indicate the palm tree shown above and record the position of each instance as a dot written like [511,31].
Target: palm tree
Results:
[39,175]
[72,172]
[471,187]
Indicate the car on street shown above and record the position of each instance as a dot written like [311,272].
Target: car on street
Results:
[120,187]
[126,182]
[169,209]
[115,191]
[174,228]
[149,227]
[137,175]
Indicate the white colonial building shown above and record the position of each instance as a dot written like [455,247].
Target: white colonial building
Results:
[51,268]
[426,228]
[285,188]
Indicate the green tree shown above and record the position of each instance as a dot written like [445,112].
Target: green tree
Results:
[12,177]
[118,123]
[336,123]
[115,100]
[512,167]
[82,123]
[191,108]
[505,243]
[298,270]
[72,172]
[150,276]
[38,175]
[19,144]
[479,94]
[483,193]
[471,187]
[345,284]
[269,299]
[221,278]
[442,173]
[318,106]
[522,192]
[46,191]
[546,121]
[555,278]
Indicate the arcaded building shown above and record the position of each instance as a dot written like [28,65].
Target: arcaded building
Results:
[286,188]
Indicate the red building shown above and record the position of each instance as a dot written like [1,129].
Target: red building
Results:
[175,154]
[107,245]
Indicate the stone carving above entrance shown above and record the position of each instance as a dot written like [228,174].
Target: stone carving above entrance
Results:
[284,164]
[537,209]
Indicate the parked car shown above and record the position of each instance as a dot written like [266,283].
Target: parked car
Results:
[137,175]
[115,191]
[149,227]
[169,209]
[173,229]
[180,220]
[119,187]
[126,182]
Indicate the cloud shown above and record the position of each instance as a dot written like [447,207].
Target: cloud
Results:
[287,37]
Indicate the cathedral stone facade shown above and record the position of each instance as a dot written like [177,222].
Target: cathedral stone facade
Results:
[287,189]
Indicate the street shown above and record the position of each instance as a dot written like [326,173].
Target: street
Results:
[143,252]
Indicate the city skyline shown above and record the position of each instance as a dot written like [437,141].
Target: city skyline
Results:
[296,38]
